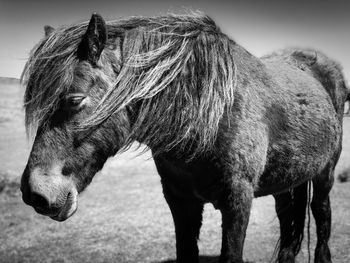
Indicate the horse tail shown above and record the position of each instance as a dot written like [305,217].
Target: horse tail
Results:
[308,220]
[291,209]
[301,205]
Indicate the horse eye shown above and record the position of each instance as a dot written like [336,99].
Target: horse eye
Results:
[74,101]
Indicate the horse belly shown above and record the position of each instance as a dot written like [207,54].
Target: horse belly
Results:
[302,149]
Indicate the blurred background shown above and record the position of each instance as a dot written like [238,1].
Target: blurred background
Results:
[259,26]
[122,216]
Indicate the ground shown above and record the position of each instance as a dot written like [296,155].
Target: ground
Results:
[123,217]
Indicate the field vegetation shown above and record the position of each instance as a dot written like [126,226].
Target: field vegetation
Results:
[123,217]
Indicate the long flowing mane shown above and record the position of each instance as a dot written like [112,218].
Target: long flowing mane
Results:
[178,70]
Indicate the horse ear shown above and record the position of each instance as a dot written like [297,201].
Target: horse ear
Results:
[94,40]
[48,30]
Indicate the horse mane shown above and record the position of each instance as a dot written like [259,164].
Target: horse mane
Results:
[178,77]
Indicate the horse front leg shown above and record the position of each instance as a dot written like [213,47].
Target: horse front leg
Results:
[235,211]
[187,215]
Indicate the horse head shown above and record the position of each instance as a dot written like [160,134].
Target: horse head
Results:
[63,160]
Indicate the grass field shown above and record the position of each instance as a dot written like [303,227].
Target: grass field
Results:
[123,217]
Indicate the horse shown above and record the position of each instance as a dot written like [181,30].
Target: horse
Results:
[223,125]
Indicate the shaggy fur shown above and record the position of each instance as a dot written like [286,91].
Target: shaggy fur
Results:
[223,126]
[321,67]
[157,74]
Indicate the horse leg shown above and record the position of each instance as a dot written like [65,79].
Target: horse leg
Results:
[321,209]
[187,216]
[291,211]
[235,211]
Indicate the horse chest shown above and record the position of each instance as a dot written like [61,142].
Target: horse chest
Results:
[202,180]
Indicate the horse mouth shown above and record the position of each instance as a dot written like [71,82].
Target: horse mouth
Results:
[66,211]
[69,208]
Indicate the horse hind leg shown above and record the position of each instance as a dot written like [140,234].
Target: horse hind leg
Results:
[291,211]
[321,211]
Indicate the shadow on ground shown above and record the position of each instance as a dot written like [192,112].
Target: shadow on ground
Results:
[202,259]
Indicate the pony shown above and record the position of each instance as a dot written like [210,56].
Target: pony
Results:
[223,125]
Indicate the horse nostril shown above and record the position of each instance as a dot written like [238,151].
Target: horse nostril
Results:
[67,170]
[38,201]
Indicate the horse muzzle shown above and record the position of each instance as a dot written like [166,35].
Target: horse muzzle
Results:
[50,194]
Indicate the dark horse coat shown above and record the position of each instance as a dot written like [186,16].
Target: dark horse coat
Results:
[223,126]
[285,129]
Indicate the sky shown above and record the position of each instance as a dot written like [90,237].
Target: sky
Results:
[260,26]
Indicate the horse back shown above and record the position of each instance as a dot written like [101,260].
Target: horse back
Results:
[324,69]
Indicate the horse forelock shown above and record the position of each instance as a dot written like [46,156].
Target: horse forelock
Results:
[179,70]
[48,74]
